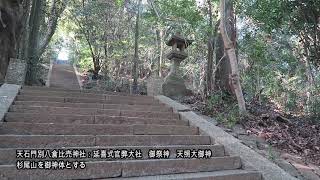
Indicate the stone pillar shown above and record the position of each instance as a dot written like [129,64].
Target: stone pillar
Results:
[173,85]
[16,72]
[154,86]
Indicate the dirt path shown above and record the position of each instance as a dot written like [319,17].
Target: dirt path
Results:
[63,76]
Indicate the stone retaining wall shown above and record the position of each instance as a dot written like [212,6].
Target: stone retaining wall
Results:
[154,86]
[16,72]
[8,93]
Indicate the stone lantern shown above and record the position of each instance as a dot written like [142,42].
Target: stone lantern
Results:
[173,85]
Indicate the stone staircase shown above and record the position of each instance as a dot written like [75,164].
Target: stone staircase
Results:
[106,135]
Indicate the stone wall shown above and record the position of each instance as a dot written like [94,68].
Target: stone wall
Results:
[16,72]
[8,93]
[154,86]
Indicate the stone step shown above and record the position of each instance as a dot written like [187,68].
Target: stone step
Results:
[87,119]
[113,100]
[26,104]
[94,111]
[8,155]
[93,129]
[47,141]
[92,96]
[55,90]
[44,88]
[96,170]
[215,175]
[78,94]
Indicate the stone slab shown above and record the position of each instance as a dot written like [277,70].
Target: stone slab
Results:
[134,120]
[145,114]
[58,110]
[55,89]
[233,146]
[64,129]
[42,88]
[163,130]
[177,107]
[39,98]
[8,93]
[174,166]
[87,119]
[93,129]
[45,141]
[114,101]
[22,104]
[85,95]
[87,100]
[215,175]
[136,98]
[99,170]
[61,94]
[45,118]
[36,90]
[159,107]
[132,102]
[93,170]
[152,140]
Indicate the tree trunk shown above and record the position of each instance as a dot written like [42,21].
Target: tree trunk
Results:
[25,30]
[209,75]
[136,53]
[202,85]
[160,52]
[10,27]
[223,67]
[33,42]
[55,14]
[225,6]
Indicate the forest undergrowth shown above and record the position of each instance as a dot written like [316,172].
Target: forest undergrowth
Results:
[288,132]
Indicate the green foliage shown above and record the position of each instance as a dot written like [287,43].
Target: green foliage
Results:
[181,15]
[119,3]
[230,117]
[273,70]
[298,18]
[270,13]
[225,108]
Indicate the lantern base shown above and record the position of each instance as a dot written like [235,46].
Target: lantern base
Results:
[174,86]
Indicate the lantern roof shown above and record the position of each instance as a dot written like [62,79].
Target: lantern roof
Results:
[179,40]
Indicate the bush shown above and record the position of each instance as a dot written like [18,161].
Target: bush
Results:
[225,108]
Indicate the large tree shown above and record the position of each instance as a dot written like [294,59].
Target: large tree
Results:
[136,50]
[37,43]
[10,29]
[228,21]
[23,19]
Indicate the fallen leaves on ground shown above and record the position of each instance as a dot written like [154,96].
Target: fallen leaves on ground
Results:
[296,135]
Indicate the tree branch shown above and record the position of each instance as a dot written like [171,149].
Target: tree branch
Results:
[55,14]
